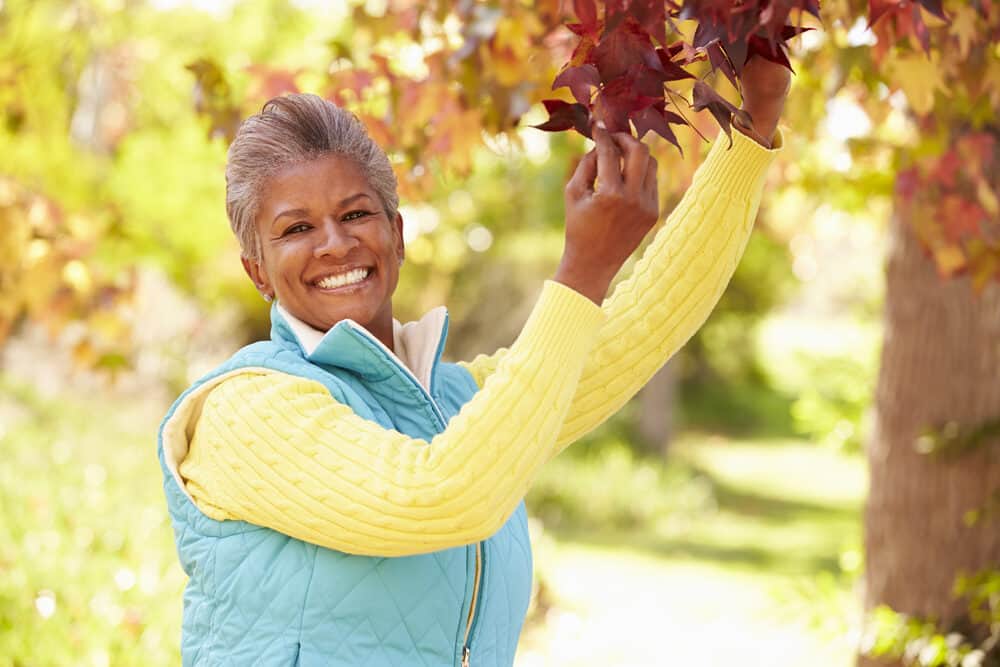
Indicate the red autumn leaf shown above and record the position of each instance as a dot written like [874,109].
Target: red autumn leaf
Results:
[670,51]
[935,8]
[703,97]
[879,8]
[959,217]
[919,28]
[946,169]
[905,14]
[621,48]
[579,80]
[790,31]
[671,70]
[566,116]
[627,45]
[582,52]
[586,11]
[720,61]
[773,51]
[618,100]
[977,148]
[731,34]
[810,6]
[355,80]
[646,81]
[658,120]
[774,15]
[713,11]
[652,16]
[271,82]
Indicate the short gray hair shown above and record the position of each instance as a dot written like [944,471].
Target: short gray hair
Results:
[292,129]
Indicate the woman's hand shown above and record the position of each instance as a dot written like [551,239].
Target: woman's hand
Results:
[765,87]
[611,204]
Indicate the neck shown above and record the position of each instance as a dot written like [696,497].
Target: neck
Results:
[381,328]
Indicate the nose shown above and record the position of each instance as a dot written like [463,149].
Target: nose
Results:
[334,240]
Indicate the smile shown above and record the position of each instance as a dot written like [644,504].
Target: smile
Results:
[352,277]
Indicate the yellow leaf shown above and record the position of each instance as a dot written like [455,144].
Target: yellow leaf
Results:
[920,77]
[949,259]
[991,82]
[518,34]
[987,197]
[963,27]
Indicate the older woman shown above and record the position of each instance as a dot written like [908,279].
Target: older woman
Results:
[340,495]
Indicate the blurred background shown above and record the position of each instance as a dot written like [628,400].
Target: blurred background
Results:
[718,519]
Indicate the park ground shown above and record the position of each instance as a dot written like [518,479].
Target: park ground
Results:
[736,552]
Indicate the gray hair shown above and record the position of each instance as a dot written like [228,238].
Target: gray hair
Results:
[289,130]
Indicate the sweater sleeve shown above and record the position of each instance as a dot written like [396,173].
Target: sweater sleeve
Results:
[278,451]
[673,287]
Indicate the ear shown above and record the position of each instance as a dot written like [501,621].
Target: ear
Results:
[258,275]
[398,228]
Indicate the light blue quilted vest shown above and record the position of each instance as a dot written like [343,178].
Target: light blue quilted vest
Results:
[258,597]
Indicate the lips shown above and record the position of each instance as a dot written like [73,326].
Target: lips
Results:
[343,279]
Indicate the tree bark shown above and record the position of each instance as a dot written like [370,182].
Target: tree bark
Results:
[656,409]
[940,363]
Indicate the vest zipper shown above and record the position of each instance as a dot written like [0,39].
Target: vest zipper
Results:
[442,422]
[477,584]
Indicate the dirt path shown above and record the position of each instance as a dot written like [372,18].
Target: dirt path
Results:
[617,609]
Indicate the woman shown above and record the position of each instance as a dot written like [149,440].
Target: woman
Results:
[341,496]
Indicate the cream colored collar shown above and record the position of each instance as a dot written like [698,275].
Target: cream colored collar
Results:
[415,344]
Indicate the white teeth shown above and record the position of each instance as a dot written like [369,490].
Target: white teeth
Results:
[341,279]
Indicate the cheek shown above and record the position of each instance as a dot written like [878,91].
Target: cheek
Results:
[281,267]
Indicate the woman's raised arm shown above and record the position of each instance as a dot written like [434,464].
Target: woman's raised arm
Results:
[279,451]
[683,272]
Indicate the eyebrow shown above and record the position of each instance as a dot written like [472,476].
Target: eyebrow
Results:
[303,211]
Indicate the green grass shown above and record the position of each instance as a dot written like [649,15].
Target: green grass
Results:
[88,572]
[736,552]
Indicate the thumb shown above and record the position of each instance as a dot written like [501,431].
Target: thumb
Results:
[583,178]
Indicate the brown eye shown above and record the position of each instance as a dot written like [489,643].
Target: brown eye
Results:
[296,228]
[355,215]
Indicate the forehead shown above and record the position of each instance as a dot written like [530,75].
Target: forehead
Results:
[319,182]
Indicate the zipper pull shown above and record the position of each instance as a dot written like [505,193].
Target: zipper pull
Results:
[465,656]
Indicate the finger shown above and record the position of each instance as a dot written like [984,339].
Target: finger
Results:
[608,160]
[651,184]
[583,178]
[636,155]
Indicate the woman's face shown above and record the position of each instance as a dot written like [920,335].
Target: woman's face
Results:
[328,250]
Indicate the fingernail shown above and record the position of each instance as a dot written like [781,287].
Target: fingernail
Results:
[601,125]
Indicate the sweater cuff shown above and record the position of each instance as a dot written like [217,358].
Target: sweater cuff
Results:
[564,321]
[741,166]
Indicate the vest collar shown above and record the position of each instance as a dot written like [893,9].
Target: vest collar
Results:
[418,345]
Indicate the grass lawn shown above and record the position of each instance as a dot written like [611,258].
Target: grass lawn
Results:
[733,554]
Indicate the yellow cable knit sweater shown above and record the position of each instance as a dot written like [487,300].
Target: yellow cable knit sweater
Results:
[278,451]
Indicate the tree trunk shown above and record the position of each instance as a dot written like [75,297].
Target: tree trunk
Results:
[940,363]
[656,409]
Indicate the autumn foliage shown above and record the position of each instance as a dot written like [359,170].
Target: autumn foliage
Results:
[618,75]
[431,81]
[629,56]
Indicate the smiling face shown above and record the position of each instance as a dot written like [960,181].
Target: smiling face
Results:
[328,250]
